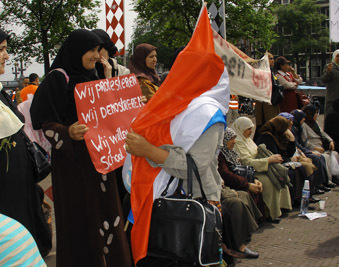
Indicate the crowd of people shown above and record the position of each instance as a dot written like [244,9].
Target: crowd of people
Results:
[252,180]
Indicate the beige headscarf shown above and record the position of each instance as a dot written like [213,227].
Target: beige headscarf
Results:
[239,126]
[9,122]
[334,56]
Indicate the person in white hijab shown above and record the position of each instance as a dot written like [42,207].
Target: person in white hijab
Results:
[274,199]
[331,79]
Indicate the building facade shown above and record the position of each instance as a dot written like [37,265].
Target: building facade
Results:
[310,67]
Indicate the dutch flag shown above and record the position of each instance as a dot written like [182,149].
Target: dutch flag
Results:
[194,96]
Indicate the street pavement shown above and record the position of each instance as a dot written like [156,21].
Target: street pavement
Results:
[296,241]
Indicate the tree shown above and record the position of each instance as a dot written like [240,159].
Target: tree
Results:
[250,21]
[45,25]
[170,24]
[300,29]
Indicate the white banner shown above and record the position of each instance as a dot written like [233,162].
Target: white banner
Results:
[252,81]
[334,20]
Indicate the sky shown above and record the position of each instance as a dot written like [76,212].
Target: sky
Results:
[38,68]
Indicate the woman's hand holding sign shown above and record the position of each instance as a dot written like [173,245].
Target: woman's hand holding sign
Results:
[77,131]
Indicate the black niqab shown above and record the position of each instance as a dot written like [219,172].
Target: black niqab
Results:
[54,98]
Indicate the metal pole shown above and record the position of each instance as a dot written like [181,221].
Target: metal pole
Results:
[124,33]
[224,17]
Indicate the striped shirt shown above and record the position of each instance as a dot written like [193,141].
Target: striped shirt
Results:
[17,246]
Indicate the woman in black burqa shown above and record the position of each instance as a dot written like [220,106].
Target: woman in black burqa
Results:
[89,222]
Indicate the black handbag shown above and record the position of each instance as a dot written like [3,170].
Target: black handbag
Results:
[185,229]
[42,166]
[244,171]
[277,91]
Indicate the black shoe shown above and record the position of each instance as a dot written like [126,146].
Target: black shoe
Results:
[331,185]
[326,188]
[276,220]
[250,254]
[318,191]
[335,180]
[314,199]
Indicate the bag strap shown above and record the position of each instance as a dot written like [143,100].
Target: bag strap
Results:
[63,72]
[164,193]
[26,138]
[191,166]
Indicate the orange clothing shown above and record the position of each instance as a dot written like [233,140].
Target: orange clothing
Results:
[30,89]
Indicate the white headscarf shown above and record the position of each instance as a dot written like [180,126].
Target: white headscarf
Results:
[334,56]
[9,122]
[239,126]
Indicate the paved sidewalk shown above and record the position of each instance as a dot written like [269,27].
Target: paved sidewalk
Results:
[297,241]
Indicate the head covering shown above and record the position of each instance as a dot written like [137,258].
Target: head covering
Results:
[9,122]
[53,100]
[107,42]
[297,130]
[239,126]
[111,49]
[298,115]
[231,156]
[3,36]
[277,127]
[70,55]
[279,61]
[310,111]
[286,115]
[137,63]
[334,56]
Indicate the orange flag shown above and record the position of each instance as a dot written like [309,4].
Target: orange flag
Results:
[196,70]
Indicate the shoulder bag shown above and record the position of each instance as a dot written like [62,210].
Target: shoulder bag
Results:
[277,91]
[39,156]
[244,171]
[185,229]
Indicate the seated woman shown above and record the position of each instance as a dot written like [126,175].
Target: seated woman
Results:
[277,137]
[229,158]
[274,198]
[318,141]
[243,216]
[320,174]
[243,211]
[142,64]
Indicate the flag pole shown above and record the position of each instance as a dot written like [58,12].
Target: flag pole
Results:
[124,33]
[224,17]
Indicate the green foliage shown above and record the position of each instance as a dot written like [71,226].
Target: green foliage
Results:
[170,24]
[251,21]
[46,24]
[300,28]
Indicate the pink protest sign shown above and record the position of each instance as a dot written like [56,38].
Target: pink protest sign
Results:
[108,107]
